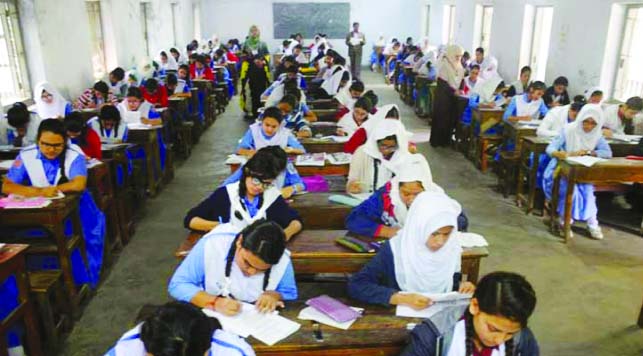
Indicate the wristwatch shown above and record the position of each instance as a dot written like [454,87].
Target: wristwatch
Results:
[588,153]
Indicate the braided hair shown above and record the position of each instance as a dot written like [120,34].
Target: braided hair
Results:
[264,239]
[504,294]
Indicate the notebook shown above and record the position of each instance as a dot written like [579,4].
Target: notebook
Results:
[311,159]
[310,313]
[12,202]
[269,328]
[339,158]
[333,308]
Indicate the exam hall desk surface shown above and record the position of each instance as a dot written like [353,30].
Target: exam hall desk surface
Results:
[377,332]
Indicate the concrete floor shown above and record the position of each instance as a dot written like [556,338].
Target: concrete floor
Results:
[589,292]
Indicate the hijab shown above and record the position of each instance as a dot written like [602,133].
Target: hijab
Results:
[381,42]
[171,62]
[590,91]
[385,129]
[486,89]
[252,41]
[576,139]
[379,116]
[49,111]
[450,68]
[417,268]
[417,170]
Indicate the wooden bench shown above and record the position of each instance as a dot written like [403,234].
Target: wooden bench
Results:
[48,291]
[116,155]
[317,212]
[482,120]
[148,139]
[12,263]
[99,183]
[183,129]
[327,169]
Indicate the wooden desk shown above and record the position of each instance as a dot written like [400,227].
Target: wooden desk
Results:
[12,263]
[640,321]
[324,128]
[533,146]
[101,186]
[117,156]
[328,169]
[424,97]
[148,139]
[482,120]
[325,115]
[328,104]
[614,170]
[9,152]
[377,332]
[515,132]
[315,251]
[206,88]
[51,219]
[318,212]
[315,145]
[87,114]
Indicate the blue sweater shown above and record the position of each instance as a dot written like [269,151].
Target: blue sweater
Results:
[375,283]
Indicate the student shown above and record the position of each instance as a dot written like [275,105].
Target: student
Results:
[268,132]
[155,93]
[581,138]
[108,125]
[176,88]
[366,128]
[254,196]
[469,82]
[494,322]
[298,53]
[488,65]
[333,77]
[557,118]
[423,257]
[117,83]
[450,75]
[178,57]
[594,95]
[487,94]
[556,95]
[375,163]
[231,265]
[276,90]
[179,329]
[54,165]
[288,180]
[49,103]
[384,213]
[294,122]
[353,119]
[168,63]
[347,97]
[79,134]
[521,85]
[20,127]
[96,97]
[255,78]
[183,76]
[201,70]
[135,110]
[619,117]
[528,106]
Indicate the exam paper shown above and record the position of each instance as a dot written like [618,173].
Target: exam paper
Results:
[310,313]
[441,301]
[586,161]
[268,328]
[469,239]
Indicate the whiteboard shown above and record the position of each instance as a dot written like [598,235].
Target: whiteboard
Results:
[331,18]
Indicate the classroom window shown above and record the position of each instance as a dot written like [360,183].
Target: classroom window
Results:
[629,72]
[175,30]
[448,24]
[536,35]
[427,20]
[197,20]
[14,82]
[96,38]
[482,26]
[145,15]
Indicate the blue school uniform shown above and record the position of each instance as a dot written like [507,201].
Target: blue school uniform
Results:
[192,277]
[474,103]
[583,199]
[248,142]
[9,295]
[512,110]
[376,282]
[92,219]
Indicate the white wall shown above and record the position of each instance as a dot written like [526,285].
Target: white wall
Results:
[579,46]
[233,18]
[57,38]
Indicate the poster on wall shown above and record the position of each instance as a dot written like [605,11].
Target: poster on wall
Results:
[332,18]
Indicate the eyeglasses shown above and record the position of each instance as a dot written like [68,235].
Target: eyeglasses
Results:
[55,146]
[262,184]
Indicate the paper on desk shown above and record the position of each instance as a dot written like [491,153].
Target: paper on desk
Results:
[441,301]
[6,164]
[532,123]
[311,159]
[338,139]
[132,117]
[268,328]
[310,313]
[93,163]
[360,196]
[2,245]
[627,138]
[18,202]
[236,159]
[339,158]
[469,239]
[586,161]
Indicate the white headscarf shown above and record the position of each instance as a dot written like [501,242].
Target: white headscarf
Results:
[424,45]
[417,268]
[385,129]
[417,170]
[487,88]
[171,62]
[576,139]
[215,42]
[378,117]
[588,92]
[381,42]
[450,68]
[49,111]
[145,69]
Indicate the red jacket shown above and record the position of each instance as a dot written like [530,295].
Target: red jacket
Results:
[232,57]
[207,73]
[358,139]
[93,147]
[160,97]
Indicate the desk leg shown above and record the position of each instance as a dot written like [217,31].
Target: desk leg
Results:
[64,256]
[640,322]
[30,320]
[553,208]
[533,185]
[568,208]
[521,177]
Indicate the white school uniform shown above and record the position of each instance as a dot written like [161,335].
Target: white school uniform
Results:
[612,120]
[134,117]
[531,108]
[239,215]
[32,130]
[222,344]
[115,134]
[554,122]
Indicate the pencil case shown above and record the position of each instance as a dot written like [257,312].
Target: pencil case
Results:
[636,158]
[333,308]
[315,184]
[355,244]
